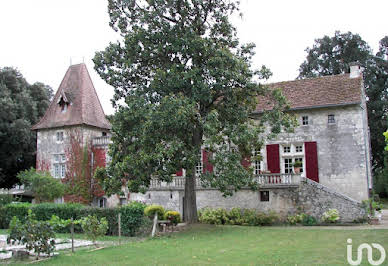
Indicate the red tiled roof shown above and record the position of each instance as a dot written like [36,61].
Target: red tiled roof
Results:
[84,108]
[317,92]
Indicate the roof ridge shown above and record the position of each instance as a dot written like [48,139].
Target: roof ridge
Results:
[309,78]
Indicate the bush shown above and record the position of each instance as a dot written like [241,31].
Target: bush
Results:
[309,220]
[173,216]
[237,216]
[5,199]
[295,219]
[266,218]
[150,211]
[213,216]
[330,216]
[131,215]
[20,210]
[94,227]
[132,218]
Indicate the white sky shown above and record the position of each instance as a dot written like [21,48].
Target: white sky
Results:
[40,37]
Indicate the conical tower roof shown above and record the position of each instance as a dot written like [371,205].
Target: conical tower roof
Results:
[75,103]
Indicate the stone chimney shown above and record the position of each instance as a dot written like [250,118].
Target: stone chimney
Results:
[355,70]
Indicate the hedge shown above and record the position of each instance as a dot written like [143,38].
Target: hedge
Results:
[131,214]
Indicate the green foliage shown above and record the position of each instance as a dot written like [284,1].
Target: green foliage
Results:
[36,235]
[237,216]
[132,218]
[20,210]
[152,209]
[295,219]
[5,199]
[213,216]
[386,139]
[331,216]
[309,220]
[371,206]
[186,83]
[131,215]
[21,106]
[43,186]
[93,227]
[173,216]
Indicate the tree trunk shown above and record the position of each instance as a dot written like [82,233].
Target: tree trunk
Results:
[190,203]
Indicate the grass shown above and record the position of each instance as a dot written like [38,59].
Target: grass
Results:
[226,245]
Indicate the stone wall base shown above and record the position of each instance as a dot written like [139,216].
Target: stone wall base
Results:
[308,197]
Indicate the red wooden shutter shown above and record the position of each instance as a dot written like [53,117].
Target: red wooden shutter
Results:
[179,173]
[311,160]
[273,158]
[207,166]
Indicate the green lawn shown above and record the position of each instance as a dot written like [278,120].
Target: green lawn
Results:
[224,245]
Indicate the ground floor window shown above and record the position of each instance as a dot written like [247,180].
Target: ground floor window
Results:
[264,195]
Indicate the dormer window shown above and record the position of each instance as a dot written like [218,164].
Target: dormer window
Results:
[63,102]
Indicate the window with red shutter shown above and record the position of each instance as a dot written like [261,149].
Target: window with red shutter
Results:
[273,158]
[207,166]
[311,154]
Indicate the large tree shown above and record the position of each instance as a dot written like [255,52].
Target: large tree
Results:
[183,81]
[21,106]
[332,55]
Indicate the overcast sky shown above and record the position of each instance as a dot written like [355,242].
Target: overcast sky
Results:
[42,37]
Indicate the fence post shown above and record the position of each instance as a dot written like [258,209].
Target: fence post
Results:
[72,234]
[119,228]
[155,225]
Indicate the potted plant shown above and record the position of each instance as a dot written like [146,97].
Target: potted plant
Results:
[297,165]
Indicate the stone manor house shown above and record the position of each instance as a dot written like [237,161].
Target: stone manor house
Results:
[331,142]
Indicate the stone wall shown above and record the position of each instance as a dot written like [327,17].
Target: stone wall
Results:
[309,197]
[315,199]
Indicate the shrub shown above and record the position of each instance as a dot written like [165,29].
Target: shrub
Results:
[36,235]
[235,217]
[20,210]
[5,199]
[330,216]
[93,227]
[131,215]
[295,219]
[213,216]
[173,216]
[152,209]
[309,220]
[266,218]
[132,218]
[249,217]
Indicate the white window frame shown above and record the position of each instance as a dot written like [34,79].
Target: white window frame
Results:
[59,165]
[293,154]
[199,166]
[305,120]
[257,165]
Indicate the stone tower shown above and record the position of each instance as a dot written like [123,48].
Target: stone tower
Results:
[74,108]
